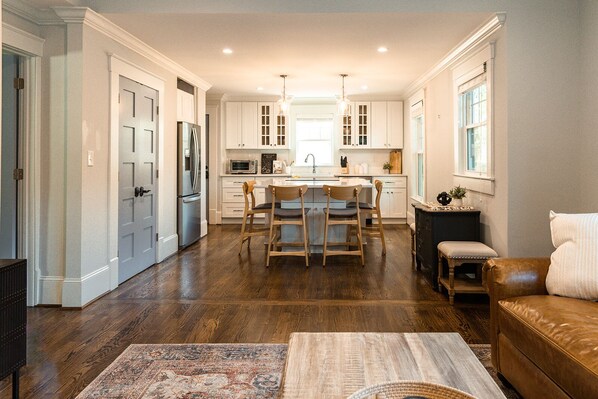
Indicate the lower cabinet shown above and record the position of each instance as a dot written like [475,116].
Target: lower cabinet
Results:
[393,202]
[233,203]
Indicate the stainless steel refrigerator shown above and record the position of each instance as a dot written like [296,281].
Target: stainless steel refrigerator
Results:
[189,183]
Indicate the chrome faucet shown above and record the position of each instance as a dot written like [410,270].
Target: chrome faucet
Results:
[313,164]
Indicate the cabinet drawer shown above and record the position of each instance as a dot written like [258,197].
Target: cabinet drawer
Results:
[233,194]
[235,181]
[400,182]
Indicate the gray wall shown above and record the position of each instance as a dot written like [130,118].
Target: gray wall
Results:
[588,139]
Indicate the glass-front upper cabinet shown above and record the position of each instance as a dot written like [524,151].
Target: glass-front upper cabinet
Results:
[355,127]
[281,134]
[265,128]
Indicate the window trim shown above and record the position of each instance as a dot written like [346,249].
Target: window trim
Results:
[479,63]
[414,100]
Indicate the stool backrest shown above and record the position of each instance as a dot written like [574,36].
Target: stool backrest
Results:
[287,193]
[378,184]
[343,193]
[248,194]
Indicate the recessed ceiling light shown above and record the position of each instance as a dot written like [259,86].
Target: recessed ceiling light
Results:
[382,49]
[227,50]
[259,88]
[364,87]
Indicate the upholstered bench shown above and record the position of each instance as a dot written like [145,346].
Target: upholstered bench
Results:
[456,254]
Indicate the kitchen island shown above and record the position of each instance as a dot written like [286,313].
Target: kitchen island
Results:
[315,199]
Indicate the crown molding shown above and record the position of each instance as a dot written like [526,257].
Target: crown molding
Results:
[31,14]
[476,38]
[94,20]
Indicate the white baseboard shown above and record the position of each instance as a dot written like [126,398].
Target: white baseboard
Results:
[77,292]
[167,246]
[113,273]
[213,216]
[50,290]
[204,227]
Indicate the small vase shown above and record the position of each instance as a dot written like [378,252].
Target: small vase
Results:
[457,202]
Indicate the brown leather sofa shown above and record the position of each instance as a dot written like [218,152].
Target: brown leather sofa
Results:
[546,346]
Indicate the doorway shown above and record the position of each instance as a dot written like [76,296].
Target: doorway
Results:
[138,127]
[10,155]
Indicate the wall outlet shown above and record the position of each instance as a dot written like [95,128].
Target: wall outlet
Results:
[90,158]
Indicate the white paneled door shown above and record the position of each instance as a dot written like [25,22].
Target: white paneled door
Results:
[137,173]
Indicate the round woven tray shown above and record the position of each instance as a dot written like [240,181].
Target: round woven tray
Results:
[410,390]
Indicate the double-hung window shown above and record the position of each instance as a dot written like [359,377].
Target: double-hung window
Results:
[473,127]
[313,134]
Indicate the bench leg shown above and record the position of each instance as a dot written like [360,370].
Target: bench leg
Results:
[451,266]
[15,384]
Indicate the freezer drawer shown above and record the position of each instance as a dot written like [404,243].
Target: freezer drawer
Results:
[189,219]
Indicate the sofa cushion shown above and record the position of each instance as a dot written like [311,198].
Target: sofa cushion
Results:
[573,268]
[559,335]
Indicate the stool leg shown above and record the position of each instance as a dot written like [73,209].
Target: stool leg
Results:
[325,240]
[250,230]
[381,229]
[270,240]
[305,241]
[413,250]
[243,231]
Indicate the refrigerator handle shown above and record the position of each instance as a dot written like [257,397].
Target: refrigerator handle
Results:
[197,161]
[192,155]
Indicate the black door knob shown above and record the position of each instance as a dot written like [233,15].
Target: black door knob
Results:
[137,191]
[142,191]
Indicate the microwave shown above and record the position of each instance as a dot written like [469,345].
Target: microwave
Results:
[240,166]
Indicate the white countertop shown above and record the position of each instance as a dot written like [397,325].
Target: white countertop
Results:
[315,183]
[254,175]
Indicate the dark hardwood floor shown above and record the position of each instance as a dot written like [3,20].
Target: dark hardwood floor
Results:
[207,293]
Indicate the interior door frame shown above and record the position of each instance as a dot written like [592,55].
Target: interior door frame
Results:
[30,48]
[121,67]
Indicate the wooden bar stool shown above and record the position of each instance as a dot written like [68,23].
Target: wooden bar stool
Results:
[283,217]
[456,254]
[251,209]
[345,216]
[368,209]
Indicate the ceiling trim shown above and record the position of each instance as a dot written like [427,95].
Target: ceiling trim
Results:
[495,23]
[94,20]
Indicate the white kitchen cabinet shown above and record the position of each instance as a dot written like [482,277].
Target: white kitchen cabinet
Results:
[387,124]
[272,127]
[241,125]
[185,106]
[362,124]
[394,128]
[393,201]
[355,127]
[233,201]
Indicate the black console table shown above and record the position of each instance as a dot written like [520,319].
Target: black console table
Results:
[435,226]
[13,319]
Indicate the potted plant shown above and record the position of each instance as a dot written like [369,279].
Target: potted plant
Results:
[457,194]
[387,167]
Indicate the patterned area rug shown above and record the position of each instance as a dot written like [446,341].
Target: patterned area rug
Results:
[197,371]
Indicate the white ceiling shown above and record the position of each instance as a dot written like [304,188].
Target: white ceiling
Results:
[313,48]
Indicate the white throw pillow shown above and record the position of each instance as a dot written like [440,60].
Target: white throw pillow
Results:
[573,268]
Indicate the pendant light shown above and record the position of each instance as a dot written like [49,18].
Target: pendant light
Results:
[285,102]
[343,102]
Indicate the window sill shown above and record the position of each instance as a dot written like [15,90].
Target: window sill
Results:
[417,199]
[484,185]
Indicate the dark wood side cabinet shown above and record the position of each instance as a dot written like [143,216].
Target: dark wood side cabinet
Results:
[433,227]
[13,319]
